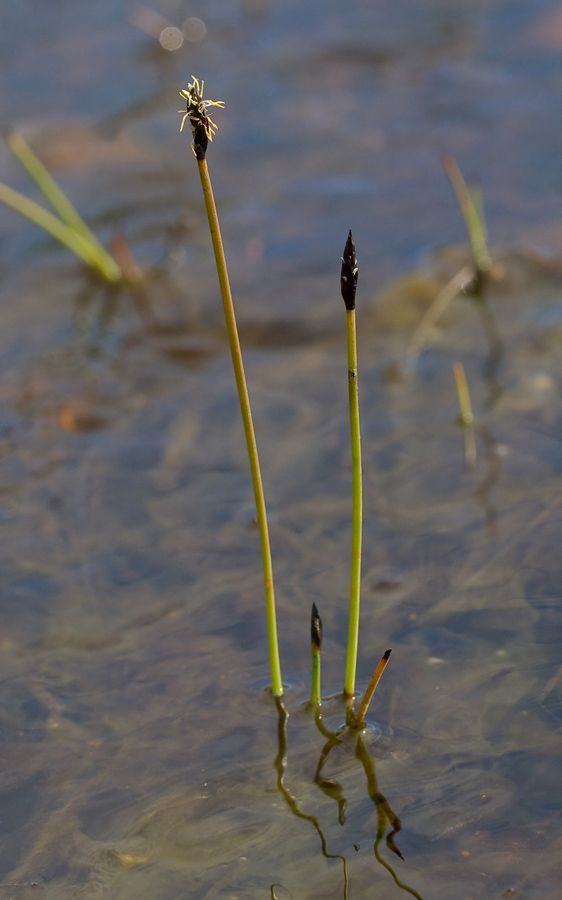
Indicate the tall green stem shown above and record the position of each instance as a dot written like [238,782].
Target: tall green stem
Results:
[356,539]
[243,397]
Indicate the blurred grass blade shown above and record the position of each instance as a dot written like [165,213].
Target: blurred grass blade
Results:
[92,251]
[47,184]
[472,209]
[59,230]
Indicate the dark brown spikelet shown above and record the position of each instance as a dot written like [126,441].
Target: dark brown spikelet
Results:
[349,272]
[198,115]
[316,628]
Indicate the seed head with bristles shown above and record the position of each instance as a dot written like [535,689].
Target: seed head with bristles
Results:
[349,273]
[202,126]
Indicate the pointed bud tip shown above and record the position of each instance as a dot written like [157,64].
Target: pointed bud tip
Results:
[349,271]
[315,628]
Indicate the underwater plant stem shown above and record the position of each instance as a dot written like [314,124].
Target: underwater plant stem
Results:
[371,688]
[356,539]
[244,400]
[76,242]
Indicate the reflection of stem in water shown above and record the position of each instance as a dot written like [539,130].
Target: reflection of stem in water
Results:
[495,344]
[384,815]
[274,895]
[329,786]
[490,479]
[280,764]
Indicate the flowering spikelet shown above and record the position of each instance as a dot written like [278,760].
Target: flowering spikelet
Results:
[349,272]
[202,126]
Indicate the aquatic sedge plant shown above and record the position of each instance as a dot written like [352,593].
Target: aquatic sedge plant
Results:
[349,272]
[203,129]
[67,227]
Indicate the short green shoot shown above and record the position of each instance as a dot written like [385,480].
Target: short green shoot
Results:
[359,720]
[203,130]
[349,273]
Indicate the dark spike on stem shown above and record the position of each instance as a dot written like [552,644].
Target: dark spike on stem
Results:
[200,141]
[349,273]
[315,628]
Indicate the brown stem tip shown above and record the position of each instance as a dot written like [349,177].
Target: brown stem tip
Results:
[315,628]
[349,273]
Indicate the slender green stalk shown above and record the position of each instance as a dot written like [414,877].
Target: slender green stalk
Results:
[348,288]
[316,647]
[59,230]
[369,693]
[203,130]
[244,400]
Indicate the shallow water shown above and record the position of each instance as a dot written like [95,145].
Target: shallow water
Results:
[141,755]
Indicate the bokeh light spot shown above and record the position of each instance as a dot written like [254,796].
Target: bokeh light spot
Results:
[171,38]
[194,29]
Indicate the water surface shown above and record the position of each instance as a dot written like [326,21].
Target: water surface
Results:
[141,756]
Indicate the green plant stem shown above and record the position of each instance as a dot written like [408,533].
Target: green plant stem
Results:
[243,397]
[316,695]
[356,539]
[79,245]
